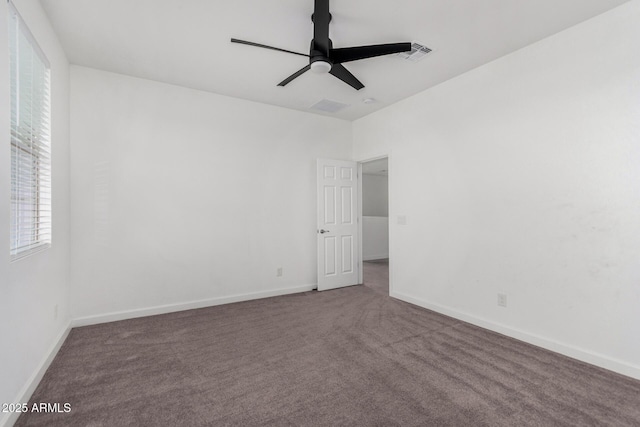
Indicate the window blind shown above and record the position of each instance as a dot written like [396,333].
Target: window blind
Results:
[30,141]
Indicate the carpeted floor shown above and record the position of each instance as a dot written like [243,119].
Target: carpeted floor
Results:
[352,356]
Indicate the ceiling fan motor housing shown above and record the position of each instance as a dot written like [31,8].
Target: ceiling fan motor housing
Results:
[318,61]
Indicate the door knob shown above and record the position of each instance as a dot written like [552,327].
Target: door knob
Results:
[324,231]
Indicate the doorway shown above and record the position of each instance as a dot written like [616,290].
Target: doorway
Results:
[375,224]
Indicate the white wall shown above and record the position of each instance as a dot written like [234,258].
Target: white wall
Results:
[180,195]
[375,237]
[31,287]
[375,195]
[523,177]
[375,221]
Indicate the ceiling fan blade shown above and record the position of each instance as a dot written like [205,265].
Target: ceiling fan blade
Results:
[347,54]
[321,19]
[266,47]
[343,74]
[294,75]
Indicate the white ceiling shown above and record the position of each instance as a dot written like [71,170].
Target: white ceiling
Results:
[186,42]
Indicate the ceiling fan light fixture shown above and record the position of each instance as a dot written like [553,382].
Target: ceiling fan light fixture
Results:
[321,67]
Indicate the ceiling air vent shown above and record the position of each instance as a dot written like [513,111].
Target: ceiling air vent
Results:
[418,51]
[328,106]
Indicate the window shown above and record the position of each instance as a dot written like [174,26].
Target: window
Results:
[30,142]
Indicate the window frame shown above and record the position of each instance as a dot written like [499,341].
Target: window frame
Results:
[31,189]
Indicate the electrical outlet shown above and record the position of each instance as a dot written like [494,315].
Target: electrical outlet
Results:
[279,272]
[402,220]
[55,312]
[502,300]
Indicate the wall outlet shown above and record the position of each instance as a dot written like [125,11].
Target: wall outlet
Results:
[502,300]
[55,312]
[402,220]
[279,272]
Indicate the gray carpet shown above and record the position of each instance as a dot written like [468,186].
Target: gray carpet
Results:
[352,356]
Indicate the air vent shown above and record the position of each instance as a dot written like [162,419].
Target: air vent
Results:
[328,106]
[418,51]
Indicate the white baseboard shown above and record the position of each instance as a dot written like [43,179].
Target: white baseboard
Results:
[24,395]
[374,257]
[170,308]
[583,355]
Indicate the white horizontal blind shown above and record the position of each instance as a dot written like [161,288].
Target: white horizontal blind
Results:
[30,142]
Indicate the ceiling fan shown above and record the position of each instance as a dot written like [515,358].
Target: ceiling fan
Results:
[324,58]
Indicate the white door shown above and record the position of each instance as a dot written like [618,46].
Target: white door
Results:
[337,224]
